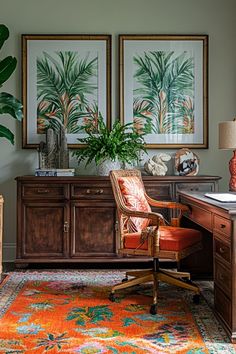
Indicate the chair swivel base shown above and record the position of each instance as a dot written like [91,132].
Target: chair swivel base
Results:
[180,279]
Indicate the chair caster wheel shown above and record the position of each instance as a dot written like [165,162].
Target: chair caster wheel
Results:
[153,309]
[124,280]
[196,299]
[112,297]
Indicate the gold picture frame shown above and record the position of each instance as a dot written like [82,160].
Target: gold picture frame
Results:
[66,80]
[164,88]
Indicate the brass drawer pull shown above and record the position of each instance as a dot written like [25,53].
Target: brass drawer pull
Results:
[42,191]
[99,191]
[66,226]
[222,250]
[222,226]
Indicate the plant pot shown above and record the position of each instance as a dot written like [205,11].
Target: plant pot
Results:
[104,168]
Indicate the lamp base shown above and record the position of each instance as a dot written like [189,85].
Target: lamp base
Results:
[232,169]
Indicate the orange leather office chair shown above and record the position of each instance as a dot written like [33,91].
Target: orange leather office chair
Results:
[146,233]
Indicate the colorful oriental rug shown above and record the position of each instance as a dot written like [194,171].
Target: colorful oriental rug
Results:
[69,312]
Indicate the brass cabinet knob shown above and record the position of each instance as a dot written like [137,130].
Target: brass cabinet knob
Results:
[66,226]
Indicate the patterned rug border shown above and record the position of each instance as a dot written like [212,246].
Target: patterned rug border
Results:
[16,280]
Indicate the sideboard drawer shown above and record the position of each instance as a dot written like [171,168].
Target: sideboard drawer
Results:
[195,187]
[157,191]
[91,191]
[43,190]
[222,277]
[222,225]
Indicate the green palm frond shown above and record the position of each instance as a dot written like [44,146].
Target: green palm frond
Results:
[179,78]
[66,81]
[79,78]
[49,85]
[68,62]
[145,74]
[164,81]
[143,115]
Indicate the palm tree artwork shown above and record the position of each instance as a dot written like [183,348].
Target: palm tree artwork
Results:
[163,94]
[67,91]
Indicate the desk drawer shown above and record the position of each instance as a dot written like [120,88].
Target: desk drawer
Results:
[222,250]
[223,306]
[200,216]
[222,225]
[222,277]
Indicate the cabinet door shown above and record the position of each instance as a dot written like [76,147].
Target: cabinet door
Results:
[93,229]
[44,230]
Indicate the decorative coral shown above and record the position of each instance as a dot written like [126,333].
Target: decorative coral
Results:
[156,165]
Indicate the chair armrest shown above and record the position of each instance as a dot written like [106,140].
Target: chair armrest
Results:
[156,218]
[169,205]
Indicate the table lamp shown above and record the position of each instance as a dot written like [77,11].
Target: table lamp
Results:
[227,140]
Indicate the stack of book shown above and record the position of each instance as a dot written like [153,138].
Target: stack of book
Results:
[54,172]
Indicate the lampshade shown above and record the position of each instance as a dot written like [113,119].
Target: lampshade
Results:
[227,140]
[227,135]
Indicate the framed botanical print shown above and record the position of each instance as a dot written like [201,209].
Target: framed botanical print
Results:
[66,82]
[164,88]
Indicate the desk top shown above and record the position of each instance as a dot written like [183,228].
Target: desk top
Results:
[200,196]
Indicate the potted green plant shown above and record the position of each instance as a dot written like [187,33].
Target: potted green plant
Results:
[8,103]
[110,149]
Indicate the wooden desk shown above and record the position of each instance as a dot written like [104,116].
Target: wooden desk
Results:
[220,220]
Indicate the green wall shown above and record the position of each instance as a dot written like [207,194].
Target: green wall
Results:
[213,17]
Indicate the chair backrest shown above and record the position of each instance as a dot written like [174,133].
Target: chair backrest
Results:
[129,192]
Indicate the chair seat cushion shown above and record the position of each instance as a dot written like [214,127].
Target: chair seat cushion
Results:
[171,239]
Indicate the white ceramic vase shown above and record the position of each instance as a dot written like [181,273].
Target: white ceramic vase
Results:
[104,168]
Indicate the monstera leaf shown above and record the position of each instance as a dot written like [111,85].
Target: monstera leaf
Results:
[8,103]
[7,66]
[4,34]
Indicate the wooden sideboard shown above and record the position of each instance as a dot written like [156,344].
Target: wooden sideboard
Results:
[73,219]
[218,219]
[1,231]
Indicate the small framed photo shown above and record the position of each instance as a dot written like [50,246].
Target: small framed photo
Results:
[66,82]
[164,88]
